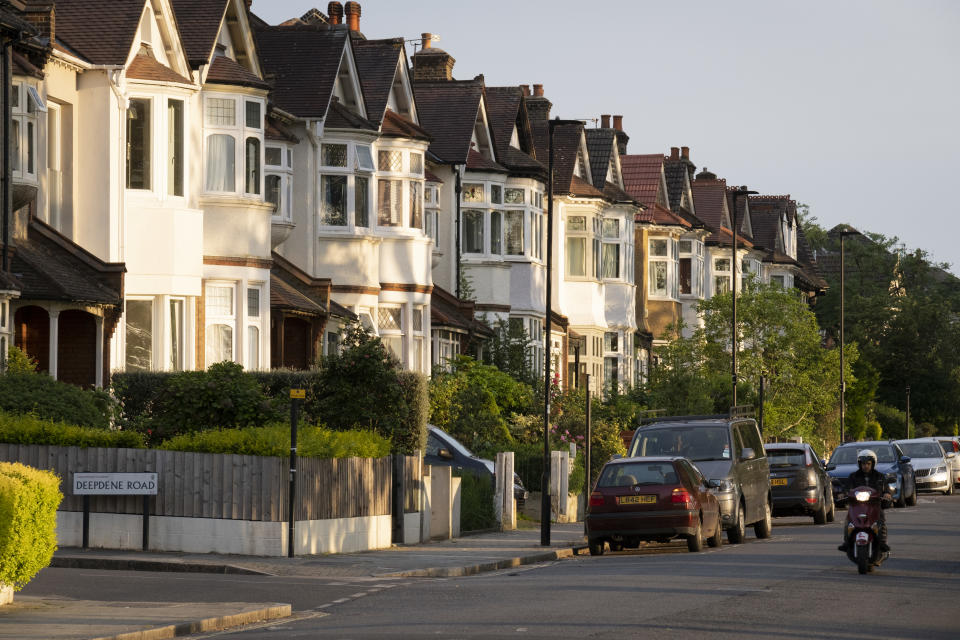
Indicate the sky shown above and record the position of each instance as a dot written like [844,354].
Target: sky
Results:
[850,107]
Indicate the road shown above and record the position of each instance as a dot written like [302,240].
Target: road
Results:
[792,586]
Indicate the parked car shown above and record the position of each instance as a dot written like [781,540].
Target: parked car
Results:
[952,444]
[726,450]
[930,464]
[652,499]
[445,450]
[891,462]
[798,482]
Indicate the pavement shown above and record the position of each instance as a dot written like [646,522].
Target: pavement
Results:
[36,618]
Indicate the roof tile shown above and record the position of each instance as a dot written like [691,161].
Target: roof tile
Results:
[102,31]
[223,70]
[448,110]
[199,24]
[144,67]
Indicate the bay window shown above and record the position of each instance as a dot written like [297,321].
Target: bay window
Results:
[175,147]
[473,231]
[514,232]
[389,203]
[416,206]
[138,144]
[514,196]
[390,325]
[576,258]
[472,193]
[659,262]
[229,133]
[253,328]
[333,203]
[690,267]
[610,267]
[496,236]
[139,335]
[177,335]
[278,189]
[220,322]
[25,102]
[418,339]
[721,275]
[361,201]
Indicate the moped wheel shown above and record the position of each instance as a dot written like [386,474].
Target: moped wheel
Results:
[596,547]
[863,558]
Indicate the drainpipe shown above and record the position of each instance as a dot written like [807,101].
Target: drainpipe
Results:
[7,173]
[457,189]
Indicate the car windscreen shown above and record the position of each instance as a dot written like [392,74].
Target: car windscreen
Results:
[627,474]
[848,454]
[921,449]
[948,446]
[786,457]
[698,443]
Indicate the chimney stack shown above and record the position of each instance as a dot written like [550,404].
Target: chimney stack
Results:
[674,153]
[604,121]
[42,17]
[618,123]
[352,9]
[685,153]
[425,40]
[432,64]
[335,12]
[538,106]
[538,90]
[525,90]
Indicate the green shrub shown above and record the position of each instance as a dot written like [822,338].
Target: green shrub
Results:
[29,429]
[41,395]
[136,392]
[476,501]
[411,432]
[18,361]
[28,521]
[274,440]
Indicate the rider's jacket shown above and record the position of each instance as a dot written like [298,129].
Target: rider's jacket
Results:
[874,480]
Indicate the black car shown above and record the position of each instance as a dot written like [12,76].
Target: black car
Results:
[890,461]
[445,450]
[798,482]
[726,450]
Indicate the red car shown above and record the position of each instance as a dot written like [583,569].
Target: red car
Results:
[653,500]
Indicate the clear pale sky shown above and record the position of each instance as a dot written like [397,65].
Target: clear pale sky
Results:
[849,106]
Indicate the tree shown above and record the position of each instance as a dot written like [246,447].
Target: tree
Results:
[509,350]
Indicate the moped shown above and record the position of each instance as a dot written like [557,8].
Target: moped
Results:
[863,528]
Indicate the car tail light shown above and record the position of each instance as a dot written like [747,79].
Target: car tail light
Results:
[681,496]
[596,499]
[808,458]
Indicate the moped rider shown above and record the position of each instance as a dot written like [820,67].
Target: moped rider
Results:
[867,475]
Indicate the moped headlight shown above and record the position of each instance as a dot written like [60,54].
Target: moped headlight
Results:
[862,496]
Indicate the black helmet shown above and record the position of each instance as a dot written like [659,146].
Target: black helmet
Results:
[864,455]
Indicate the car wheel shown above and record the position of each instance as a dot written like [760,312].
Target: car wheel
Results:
[764,528]
[901,502]
[948,491]
[832,513]
[716,540]
[912,500]
[738,532]
[695,541]
[820,515]
[596,547]
[616,546]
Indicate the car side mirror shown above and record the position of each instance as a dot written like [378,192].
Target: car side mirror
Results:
[712,484]
[823,463]
[831,467]
[905,459]
[747,454]
[445,454]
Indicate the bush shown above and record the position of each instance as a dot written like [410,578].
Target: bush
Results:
[476,501]
[411,433]
[892,420]
[41,395]
[30,429]
[274,440]
[28,521]
[18,361]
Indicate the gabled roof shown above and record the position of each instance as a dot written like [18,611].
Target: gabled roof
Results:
[144,67]
[642,175]
[101,31]
[51,267]
[766,212]
[566,147]
[448,110]
[199,24]
[658,214]
[478,162]
[710,200]
[276,130]
[395,125]
[446,310]
[505,113]
[339,117]
[377,62]
[302,61]
[600,147]
[614,193]
[223,70]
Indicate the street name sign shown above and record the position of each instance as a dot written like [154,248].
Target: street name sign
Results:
[115,484]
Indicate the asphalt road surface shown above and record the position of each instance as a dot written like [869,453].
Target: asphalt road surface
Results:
[794,585]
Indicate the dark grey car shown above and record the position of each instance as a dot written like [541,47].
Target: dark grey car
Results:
[798,482]
[728,451]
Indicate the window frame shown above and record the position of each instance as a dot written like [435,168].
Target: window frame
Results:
[242,135]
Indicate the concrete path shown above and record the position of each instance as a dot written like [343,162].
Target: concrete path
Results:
[68,619]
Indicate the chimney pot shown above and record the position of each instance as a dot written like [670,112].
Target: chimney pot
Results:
[525,89]
[352,9]
[538,90]
[618,123]
[425,40]
[604,121]
[685,153]
[335,12]
[674,153]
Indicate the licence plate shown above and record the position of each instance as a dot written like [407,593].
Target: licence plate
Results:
[778,482]
[636,499]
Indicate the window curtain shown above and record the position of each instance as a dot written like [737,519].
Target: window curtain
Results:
[221,163]
[515,233]
[219,343]
[576,256]
[611,260]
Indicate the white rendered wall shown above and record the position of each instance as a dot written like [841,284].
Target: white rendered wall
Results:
[164,251]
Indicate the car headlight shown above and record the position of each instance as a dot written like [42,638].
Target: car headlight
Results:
[940,470]
[862,496]
[726,486]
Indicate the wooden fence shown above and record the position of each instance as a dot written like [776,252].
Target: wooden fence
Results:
[235,487]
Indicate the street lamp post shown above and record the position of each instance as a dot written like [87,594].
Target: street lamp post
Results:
[908,411]
[736,193]
[847,231]
[545,477]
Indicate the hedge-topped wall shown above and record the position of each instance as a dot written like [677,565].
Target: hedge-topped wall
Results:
[28,521]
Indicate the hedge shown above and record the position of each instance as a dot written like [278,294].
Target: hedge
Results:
[274,440]
[476,501]
[30,429]
[41,395]
[28,521]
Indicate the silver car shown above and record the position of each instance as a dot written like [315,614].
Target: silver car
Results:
[951,444]
[930,465]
